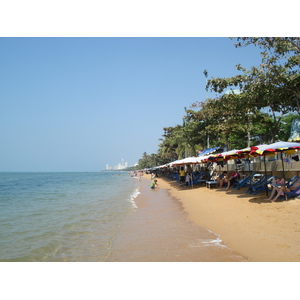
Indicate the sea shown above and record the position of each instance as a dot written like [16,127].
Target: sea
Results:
[98,217]
[62,216]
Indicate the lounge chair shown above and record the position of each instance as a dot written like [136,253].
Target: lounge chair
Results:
[243,182]
[292,181]
[174,176]
[260,185]
[196,180]
[290,194]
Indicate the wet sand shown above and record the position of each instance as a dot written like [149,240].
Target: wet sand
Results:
[159,231]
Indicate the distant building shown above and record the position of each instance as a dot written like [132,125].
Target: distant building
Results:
[121,166]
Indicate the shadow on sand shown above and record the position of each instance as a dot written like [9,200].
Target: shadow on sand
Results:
[257,199]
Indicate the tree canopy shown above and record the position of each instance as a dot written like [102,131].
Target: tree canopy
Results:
[256,106]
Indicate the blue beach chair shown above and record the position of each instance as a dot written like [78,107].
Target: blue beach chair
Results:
[263,186]
[293,193]
[243,182]
[292,181]
[260,185]
[197,180]
[290,194]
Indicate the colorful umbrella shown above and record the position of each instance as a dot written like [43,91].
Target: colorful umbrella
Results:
[280,146]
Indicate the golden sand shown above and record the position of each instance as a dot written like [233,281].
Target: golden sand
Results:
[251,226]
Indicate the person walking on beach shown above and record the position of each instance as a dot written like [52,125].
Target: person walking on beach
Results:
[139,174]
[154,184]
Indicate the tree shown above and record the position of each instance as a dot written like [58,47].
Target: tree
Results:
[274,84]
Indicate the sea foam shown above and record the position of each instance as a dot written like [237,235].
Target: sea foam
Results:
[133,196]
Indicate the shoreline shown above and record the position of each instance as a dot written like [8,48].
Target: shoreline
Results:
[159,230]
[250,226]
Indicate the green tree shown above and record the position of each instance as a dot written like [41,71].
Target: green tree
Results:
[274,84]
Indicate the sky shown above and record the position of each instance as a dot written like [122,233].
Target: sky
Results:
[85,84]
[77,104]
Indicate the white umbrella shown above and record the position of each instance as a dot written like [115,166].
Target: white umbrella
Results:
[185,161]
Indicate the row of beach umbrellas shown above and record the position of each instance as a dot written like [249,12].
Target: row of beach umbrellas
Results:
[260,150]
[281,147]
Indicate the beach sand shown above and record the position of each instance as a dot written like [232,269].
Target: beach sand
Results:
[252,227]
[173,223]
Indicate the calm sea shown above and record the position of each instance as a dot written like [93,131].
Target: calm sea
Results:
[62,216]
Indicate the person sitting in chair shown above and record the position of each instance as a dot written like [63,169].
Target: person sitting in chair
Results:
[232,179]
[280,188]
[222,178]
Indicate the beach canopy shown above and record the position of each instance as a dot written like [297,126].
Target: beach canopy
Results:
[224,156]
[249,151]
[209,151]
[186,161]
[287,147]
[259,150]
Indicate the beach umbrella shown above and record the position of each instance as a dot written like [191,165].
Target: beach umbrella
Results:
[249,152]
[204,158]
[210,151]
[186,161]
[280,146]
[246,153]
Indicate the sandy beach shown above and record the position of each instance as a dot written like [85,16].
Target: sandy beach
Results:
[254,228]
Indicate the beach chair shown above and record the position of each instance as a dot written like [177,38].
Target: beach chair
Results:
[173,176]
[243,182]
[292,181]
[253,183]
[263,186]
[293,193]
[289,183]
[260,185]
[197,179]
[290,194]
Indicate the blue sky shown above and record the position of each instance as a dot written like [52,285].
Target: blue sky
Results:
[77,104]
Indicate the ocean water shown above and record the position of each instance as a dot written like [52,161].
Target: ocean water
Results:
[62,216]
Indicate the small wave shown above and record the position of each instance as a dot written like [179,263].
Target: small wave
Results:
[133,196]
[208,242]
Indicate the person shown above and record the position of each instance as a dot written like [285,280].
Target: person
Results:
[189,170]
[182,175]
[280,188]
[154,184]
[139,174]
[188,179]
[232,179]
[222,178]
[188,175]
